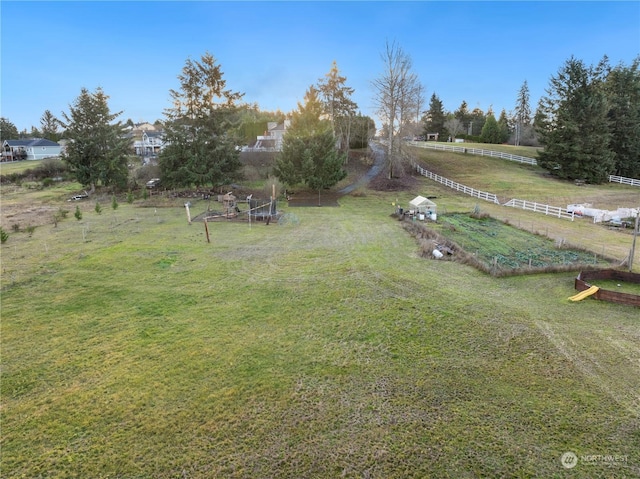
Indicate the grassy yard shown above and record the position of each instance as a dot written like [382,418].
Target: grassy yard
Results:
[508,180]
[132,348]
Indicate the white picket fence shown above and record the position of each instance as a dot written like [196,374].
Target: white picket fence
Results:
[475,151]
[483,195]
[623,180]
[506,156]
[539,208]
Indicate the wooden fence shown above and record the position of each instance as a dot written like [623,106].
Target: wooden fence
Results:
[483,195]
[539,208]
[588,278]
[623,180]
[475,151]
[506,156]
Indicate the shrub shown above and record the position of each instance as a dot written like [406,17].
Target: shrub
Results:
[98,208]
[59,216]
[4,236]
[130,197]
[78,213]
[114,203]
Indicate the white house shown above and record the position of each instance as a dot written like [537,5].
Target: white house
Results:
[31,149]
[151,144]
[272,138]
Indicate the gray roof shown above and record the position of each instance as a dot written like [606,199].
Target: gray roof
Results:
[31,142]
[154,134]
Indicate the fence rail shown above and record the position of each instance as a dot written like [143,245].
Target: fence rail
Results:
[623,180]
[483,195]
[539,208]
[514,203]
[475,151]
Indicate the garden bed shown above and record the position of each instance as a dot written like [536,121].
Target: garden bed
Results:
[499,248]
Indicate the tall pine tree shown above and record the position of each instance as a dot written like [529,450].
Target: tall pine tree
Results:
[201,147]
[491,130]
[522,113]
[435,118]
[574,128]
[338,106]
[309,154]
[98,148]
[622,88]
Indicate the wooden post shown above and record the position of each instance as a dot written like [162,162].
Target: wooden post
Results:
[633,244]
[206,229]
[186,205]
[273,197]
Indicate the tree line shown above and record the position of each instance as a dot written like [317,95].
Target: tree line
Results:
[588,123]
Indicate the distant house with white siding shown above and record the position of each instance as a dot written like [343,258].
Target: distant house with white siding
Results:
[272,138]
[150,144]
[30,149]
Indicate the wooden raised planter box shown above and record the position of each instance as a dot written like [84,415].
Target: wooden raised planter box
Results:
[586,279]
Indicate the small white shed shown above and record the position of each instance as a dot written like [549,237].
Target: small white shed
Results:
[422,205]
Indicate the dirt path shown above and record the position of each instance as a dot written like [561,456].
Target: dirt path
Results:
[378,153]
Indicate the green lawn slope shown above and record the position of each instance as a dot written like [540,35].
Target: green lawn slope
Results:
[133,348]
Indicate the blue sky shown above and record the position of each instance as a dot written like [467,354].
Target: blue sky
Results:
[479,52]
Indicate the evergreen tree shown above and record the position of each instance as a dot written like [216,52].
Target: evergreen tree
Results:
[575,129]
[476,121]
[338,106]
[98,149]
[308,118]
[463,115]
[8,130]
[435,118]
[503,125]
[622,88]
[522,113]
[363,129]
[309,154]
[491,130]
[200,146]
[49,126]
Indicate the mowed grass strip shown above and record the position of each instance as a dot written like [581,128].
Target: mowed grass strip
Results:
[318,350]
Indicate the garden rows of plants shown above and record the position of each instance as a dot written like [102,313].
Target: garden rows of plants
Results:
[498,248]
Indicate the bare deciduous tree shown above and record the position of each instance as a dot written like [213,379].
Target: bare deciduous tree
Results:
[454,126]
[398,96]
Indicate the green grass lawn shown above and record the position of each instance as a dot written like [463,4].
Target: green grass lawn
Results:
[508,180]
[527,151]
[132,348]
